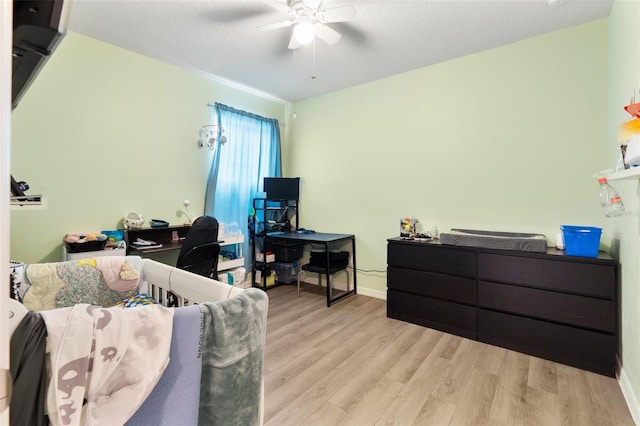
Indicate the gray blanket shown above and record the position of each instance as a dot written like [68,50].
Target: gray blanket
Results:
[233,340]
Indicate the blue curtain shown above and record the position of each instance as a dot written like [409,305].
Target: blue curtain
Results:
[252,152]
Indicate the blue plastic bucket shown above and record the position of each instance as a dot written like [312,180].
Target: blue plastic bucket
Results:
[581,240]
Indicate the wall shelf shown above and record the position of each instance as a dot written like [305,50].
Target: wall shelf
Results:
[40,203]
[632,173]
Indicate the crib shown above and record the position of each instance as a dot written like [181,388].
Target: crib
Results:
[232,324]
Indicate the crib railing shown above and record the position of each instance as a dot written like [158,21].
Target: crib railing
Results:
[171,286]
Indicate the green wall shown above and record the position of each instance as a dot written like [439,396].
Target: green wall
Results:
[624,79]
[506,140]
[104,131]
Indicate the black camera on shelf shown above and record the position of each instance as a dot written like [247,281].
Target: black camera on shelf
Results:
[18,188]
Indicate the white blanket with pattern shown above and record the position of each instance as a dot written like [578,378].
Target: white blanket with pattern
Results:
[104,361]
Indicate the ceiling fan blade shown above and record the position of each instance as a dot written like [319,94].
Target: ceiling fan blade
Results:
[294,43]
[337,14]
[282,6]
[326,34]
[276,25]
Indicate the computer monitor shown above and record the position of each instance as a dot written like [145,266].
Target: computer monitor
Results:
[282,188]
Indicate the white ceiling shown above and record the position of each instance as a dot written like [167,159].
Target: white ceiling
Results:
[219,38]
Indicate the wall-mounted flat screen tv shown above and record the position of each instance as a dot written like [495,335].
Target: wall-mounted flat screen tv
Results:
[279,188]
[38,28]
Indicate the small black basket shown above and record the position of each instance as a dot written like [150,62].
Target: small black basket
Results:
[288,252]
[86,246]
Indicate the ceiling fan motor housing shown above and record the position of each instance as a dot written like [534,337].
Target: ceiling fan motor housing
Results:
[310,19]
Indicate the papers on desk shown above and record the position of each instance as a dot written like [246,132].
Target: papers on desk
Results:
[141,244]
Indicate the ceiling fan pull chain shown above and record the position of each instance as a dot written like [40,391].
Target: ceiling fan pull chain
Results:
[313,76]
[294,82]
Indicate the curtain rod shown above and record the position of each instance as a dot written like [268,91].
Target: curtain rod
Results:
[279,123]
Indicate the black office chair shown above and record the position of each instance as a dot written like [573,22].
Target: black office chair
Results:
[200,248]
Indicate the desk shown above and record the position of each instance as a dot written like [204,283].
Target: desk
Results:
[161,235]
[327,240]
[164,236]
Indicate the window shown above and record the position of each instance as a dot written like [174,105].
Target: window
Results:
[251,153]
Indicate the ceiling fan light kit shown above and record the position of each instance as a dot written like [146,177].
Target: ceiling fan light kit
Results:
[304,32]
[309,19]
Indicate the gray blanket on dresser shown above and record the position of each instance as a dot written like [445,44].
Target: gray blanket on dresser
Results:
[233,340]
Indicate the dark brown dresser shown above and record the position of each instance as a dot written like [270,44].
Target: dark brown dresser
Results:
[550,305]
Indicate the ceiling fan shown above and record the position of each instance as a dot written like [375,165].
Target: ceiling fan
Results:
[309,19]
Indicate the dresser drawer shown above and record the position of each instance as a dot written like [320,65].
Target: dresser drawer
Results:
[586,312]
[587,279]
[584,349]
[432,258]
[438,314]
[439,286]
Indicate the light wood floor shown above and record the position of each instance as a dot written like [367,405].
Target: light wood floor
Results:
[351,365]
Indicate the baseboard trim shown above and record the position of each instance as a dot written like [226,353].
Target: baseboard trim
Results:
[629,396]
[372,293]
[341,285]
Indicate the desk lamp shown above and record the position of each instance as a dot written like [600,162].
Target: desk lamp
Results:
[186,204]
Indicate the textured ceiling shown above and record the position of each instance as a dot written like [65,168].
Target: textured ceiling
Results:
[219,38]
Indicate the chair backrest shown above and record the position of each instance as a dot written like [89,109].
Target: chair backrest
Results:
[200,250]
[202,260]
